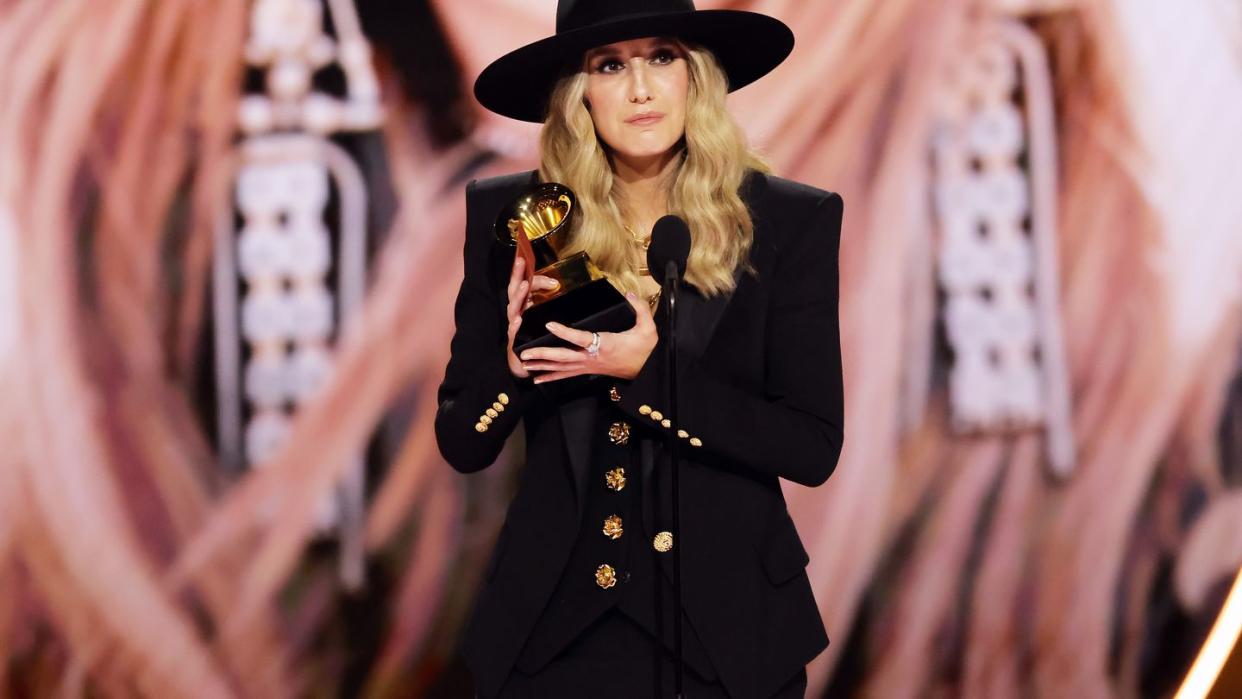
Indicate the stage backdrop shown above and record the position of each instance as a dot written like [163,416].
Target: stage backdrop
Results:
[230,239]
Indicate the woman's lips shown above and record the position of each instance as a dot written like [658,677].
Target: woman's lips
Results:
[645,119]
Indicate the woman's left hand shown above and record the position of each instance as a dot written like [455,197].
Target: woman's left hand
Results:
[620,354]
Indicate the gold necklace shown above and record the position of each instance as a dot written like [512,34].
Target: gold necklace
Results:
[641,240]
[643,243]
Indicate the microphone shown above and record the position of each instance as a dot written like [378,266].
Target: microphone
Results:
[670,242]
[668,252]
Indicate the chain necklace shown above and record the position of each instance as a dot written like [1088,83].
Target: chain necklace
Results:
[643,242]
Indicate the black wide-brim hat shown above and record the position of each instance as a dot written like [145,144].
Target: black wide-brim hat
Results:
[748,45]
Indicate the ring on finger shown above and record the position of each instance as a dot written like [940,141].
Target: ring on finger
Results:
[593,348]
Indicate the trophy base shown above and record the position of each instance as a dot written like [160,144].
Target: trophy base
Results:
[596,306]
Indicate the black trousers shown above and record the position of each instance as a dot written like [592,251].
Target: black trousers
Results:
[615,658]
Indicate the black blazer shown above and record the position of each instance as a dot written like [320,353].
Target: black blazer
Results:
[761,399]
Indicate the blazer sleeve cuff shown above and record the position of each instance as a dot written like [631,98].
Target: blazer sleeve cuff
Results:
[473,425]
[646,398]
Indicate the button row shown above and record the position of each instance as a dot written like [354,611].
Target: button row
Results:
[490,414]
[666,423]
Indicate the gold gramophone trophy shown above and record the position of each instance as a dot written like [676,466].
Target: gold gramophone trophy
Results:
[538,225]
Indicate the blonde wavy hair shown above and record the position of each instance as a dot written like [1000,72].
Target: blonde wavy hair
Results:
[714,160]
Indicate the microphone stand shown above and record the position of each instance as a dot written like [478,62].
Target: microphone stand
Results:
[671,285]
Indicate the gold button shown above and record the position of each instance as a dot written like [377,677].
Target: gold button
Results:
[491,412]
[498,407]
[504,398]
[485,420]
[612,527]
[480,427]
[696,442]
[619,433]
[657,415]
[615,479]
[644,410]
[683,434]
[605,576]
[663,542]
[612,393]
[666,423]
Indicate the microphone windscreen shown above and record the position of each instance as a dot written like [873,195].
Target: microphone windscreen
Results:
[670,240]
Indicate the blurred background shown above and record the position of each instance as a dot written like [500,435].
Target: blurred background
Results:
[230,239]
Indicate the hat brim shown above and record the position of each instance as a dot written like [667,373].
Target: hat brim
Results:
[748,46]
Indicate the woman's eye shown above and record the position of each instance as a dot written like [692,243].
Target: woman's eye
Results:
[609,65]
[663,57]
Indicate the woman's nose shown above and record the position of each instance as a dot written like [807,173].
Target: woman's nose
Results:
[640,91]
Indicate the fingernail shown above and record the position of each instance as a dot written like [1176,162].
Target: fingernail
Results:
[549,325]
[629,294]
[525,356]
[538,380]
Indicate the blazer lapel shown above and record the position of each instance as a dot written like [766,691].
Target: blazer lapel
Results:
[578,419]
[697,319]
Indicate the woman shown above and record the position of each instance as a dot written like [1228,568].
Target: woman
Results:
[577,598]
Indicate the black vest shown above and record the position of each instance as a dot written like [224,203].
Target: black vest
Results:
[613,569]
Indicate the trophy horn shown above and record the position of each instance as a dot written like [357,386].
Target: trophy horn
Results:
[544,215]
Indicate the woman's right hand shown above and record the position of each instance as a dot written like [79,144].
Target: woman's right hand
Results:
[519,301]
